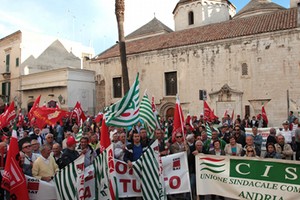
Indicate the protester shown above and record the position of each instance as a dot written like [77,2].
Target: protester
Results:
[30,157]
[192,166]
[179,145]
[233,148]
[37,134]
[145,140]
[271,152]
[284,149]
[250,152]
[217,149]
[94,141]
[163,147]
[35,146]
[86,149]
[239,137]
[57,153]
[27,168]
[120,147]
[272,136]
[135,150]
[224,133]
[286,132]
[250,143]
[297,140]
[257,139]
[45,167]
[208,145]
[50,140]
[70,154]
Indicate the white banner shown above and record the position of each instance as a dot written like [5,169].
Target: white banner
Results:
[175,170]
[264,132]
[247,178]
[38,189]
[176,173]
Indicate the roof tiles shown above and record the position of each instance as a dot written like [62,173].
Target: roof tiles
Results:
[276,21]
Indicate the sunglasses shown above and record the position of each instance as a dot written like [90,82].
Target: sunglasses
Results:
[251,151]
[26,146]
[178,136]
[237,129]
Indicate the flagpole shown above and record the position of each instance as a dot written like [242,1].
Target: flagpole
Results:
[180,116]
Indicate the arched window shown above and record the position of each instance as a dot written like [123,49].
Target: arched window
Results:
[191,17]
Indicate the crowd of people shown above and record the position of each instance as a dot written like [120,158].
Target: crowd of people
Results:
[44,151]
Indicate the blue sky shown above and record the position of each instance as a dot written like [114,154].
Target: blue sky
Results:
[91,22]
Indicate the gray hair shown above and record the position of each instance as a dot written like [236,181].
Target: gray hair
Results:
[44,146]
[199,141]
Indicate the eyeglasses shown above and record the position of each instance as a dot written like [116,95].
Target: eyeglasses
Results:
[49,137]
[251,151]
[179,136]
[237,129]
[26,146]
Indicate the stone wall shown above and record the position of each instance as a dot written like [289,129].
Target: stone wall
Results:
[271,61]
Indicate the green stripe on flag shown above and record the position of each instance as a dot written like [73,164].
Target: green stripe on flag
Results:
[126,111]
[208,130]
[147,168]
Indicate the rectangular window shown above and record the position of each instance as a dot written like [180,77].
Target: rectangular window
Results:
[6,91]
[7,61]
[247,110]
[171,83]
[117,87]
[17,62]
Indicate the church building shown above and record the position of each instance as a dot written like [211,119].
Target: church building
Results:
[242,60]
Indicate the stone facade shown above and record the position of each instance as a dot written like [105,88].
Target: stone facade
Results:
[204,12]
[240,71]
[32,69]
[65,86]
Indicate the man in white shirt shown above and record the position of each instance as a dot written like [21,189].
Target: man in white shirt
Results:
[287,134]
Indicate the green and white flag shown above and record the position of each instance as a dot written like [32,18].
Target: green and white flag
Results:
[126,111]
[146,114]
[78,136]
[148,168]
[68,180]
[208,130]
[101,176]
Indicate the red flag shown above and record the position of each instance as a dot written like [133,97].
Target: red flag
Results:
[207,112]
[178,123]
[190,122]
[153,104]
[264,114]
[226,113]
[99,117]
[35,105]
[104,140]
[5,107]
[78,113]
[48,116]
[8,115]
[20,119]
[13,178]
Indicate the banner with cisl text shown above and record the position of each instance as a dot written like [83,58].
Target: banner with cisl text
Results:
[248,178]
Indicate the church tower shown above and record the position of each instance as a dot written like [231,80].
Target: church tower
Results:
[194,13]
[294,3]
